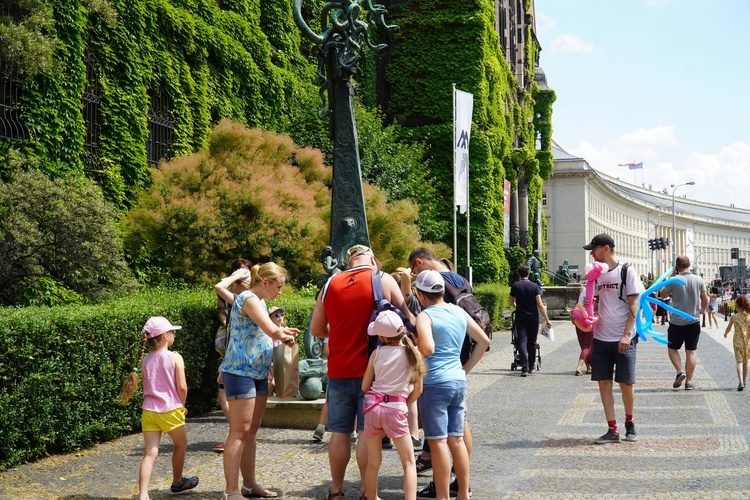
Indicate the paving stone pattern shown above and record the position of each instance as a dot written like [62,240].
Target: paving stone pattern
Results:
[533,438]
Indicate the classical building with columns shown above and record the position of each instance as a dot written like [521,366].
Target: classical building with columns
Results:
[579,202]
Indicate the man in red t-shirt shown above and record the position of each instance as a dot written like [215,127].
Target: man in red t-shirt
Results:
[342,313]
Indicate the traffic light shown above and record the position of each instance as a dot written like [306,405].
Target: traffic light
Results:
[652,244]
[660,243]
[735,253]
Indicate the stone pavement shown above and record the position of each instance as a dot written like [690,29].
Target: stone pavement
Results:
[533,438]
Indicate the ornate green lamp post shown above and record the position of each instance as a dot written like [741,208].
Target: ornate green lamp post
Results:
[338,59]
[337,50]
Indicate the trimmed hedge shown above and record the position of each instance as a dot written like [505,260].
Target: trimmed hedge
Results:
[495,299]
[62,368]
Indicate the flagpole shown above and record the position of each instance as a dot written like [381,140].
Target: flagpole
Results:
[455,207]
[468,227]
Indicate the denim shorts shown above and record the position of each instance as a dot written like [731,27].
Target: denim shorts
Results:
[345,399]
[237,387]
[442,408]
[152,421]
[606,359]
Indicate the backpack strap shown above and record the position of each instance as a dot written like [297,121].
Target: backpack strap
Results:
[377,286]
[623,278]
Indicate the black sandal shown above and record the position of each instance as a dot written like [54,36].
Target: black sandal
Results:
[331,494]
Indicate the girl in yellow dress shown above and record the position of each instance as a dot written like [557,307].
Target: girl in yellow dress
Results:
[740,321]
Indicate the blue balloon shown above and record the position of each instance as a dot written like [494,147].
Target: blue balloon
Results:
[644,314]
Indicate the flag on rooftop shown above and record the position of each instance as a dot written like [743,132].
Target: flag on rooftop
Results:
[631,166]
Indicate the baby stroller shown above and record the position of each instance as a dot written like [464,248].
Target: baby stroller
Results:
[516,353]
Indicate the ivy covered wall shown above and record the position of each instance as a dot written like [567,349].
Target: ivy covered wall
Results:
[440,43]
[239,59]
[246,60]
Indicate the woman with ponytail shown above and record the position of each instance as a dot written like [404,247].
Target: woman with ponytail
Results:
[164,395]
[244,372]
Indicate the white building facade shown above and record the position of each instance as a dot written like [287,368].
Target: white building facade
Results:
[579,202]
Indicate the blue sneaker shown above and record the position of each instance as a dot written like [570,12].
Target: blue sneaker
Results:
[186,483]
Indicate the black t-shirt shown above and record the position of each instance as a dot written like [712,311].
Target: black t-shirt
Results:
[525,293]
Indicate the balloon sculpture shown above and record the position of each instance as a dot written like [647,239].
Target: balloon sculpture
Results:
[645,315]
[583,317]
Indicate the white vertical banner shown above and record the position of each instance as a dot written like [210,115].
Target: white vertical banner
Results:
[464,107]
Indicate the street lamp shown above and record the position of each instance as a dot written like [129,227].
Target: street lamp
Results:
[674,237]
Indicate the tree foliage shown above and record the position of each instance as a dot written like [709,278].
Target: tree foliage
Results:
[25,37]
[254,194]
[397,165]
[58,242]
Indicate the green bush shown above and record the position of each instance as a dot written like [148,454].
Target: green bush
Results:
[62,368]
[256,194]
[58,242]
[494,298]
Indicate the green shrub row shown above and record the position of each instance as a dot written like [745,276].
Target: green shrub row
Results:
[62,368]
[494,298]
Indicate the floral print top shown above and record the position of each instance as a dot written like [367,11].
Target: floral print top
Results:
[250,350]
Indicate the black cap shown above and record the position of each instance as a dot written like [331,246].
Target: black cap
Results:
[600,240]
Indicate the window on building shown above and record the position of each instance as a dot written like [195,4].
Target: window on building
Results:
[91,100]
[544,198]
[12,126]
[160,127]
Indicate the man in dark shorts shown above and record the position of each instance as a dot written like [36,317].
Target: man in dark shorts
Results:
[692,299]
[615,339]
[526,299]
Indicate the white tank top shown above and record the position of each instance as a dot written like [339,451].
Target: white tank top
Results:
[392,373]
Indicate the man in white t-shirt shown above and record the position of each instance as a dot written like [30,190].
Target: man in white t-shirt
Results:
[615,339]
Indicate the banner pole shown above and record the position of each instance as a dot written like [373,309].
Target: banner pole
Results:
[468,230]
[455,174]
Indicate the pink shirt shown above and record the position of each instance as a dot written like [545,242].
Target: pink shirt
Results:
[159,386]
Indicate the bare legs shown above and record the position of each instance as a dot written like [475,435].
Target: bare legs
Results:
[691,360]
[742,371]
[152,440]
[608,398]
[245,416]
[413,419]
[712,320]
[442,452]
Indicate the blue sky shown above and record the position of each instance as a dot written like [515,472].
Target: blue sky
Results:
[663,82]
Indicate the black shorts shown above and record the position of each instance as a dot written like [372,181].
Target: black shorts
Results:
[687,334]
[606,361]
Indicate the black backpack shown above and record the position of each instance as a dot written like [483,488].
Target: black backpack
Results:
[466,300]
